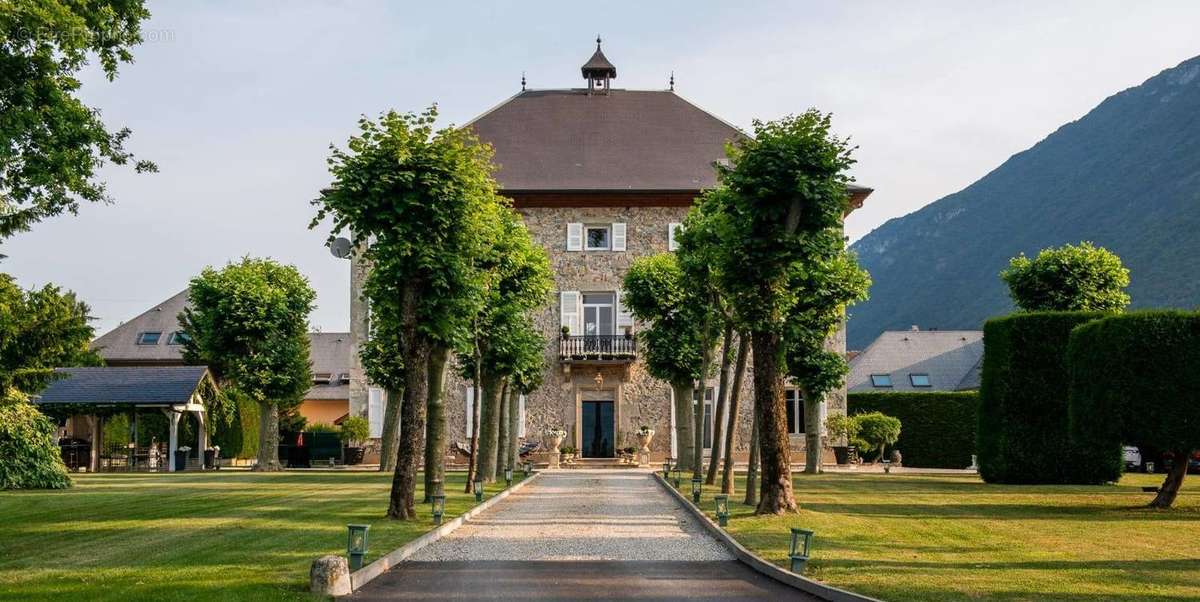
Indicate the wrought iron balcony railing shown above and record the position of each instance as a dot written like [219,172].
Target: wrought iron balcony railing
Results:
[602,347]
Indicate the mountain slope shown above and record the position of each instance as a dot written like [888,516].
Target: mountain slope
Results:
[1126,176]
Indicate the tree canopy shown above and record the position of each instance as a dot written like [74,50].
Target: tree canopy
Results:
[40,329]
[1079,277]
[53,143]
[248,322]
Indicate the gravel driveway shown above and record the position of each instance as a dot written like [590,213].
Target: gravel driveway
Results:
[582,515]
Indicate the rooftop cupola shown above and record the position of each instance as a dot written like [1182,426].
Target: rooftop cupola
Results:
[598,71]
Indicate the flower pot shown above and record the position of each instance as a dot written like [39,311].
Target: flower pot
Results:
[842,454]
[644,438]
[354,455]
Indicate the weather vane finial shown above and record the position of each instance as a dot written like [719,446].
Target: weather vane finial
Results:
[672,80]
[597,41]
[522,81]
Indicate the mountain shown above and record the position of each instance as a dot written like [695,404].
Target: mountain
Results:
[1126,176]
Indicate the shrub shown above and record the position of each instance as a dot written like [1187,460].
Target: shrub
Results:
[1134,380]
[876,431]
[355,429]
[939,428]
[29,456]
[841,427]
[239,438]
[321,427]
[1068,278]
[1024,428]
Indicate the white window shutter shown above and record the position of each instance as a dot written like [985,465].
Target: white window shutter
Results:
[469,395]
[375,408]
[521,415]
[672,228]
[618,236]
[624,318]
[574,237]
[569,311]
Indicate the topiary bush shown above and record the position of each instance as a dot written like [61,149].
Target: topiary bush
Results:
[876,431]
[29,456]
[1024,431]
[939,428]
[1134,380]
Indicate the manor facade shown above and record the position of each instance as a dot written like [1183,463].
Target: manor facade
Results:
[602,176]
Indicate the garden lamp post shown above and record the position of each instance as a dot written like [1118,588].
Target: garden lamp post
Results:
[439,508]
[508,477]
[697,484]
[677,476]
[356,545]
[478,489]
[666,469]
[722,501]
[800,548]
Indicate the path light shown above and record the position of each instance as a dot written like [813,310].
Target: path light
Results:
[356,546]
[801,545]
[722,509]
[478,489]
[439,508]
[697,484]
[666,469]
[508,477]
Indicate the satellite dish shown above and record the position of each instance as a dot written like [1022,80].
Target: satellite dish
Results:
[340,247]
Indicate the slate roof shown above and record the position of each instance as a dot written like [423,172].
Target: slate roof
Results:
[600,63]
[330,350]
[124,385]
[951,358]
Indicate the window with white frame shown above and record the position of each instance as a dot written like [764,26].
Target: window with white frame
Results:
[596,238]
[673,230]
[710,394]
[375,409]
[795,411]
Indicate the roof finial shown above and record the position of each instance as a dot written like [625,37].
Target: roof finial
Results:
[597,41]
[672,80]
[522,81]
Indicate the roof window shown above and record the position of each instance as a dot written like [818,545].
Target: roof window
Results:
[919,380]
[149,337]
[881,380]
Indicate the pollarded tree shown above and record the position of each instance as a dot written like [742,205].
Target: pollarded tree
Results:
[419,204]
[1079,277]
[53,143]
[788,188]
[526,378]
[1134,381]
[384,367]
[826,280]
[671,342]
[248,322]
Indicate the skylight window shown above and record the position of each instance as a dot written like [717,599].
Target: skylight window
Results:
[177,338]
[881,380]
[919,380]
[149,338]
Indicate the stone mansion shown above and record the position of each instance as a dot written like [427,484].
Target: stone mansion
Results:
[602,176]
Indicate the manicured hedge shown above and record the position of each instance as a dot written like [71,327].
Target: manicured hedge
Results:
[937,430]
[239,438]
[1135,378]
[1024,431]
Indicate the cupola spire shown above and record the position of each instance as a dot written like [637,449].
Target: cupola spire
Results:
[598,71]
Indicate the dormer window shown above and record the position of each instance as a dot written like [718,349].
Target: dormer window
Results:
[149,337]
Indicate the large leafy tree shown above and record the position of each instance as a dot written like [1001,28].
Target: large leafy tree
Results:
[788,190]
[1079,277]
[52,143]
[40,329]
[420,204]
[248,322]
[672,342]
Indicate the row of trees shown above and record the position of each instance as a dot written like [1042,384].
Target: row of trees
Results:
[762,261]
[453,271]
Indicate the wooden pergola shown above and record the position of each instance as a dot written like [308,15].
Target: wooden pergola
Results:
[92,392]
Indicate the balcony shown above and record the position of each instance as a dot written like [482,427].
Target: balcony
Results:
[598,349]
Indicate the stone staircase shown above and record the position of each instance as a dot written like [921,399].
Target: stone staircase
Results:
[598,463]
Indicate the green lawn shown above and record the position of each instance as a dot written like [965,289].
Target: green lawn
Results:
[227,535]
[954,538]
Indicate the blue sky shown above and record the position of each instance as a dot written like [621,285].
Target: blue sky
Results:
[238,102]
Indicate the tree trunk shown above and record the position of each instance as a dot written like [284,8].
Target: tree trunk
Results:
[752,469]
[739,373]
[514,427]
[391,428]
[683,424]
[268,437]
[502,439]
[489,424]
[776,495]
[706,358]
[477,396]
[812,433]
[410,446]
[1170,487]
[718,426]
[435,421]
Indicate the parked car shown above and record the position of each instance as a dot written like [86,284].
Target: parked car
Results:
[1168,460]
[1133,459]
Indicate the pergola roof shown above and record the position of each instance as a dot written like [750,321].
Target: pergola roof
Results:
[125,386]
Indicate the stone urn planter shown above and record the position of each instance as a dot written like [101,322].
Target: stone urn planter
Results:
[551,439]
[644,436]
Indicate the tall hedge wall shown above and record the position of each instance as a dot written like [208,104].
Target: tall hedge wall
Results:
[937,430]
[239,438]
[1024,425]
[1135,378]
